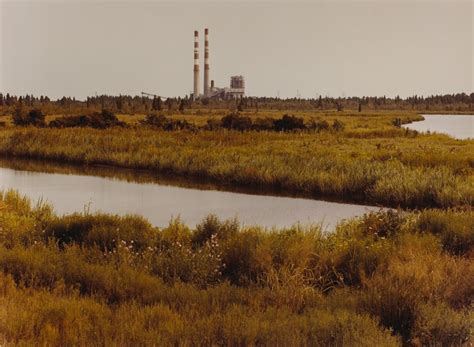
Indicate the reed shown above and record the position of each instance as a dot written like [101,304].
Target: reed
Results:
[384,166]
[386,278]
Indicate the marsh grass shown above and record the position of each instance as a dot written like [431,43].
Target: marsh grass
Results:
[389,167]
[92,279]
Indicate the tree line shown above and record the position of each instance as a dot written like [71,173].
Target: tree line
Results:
[460,102]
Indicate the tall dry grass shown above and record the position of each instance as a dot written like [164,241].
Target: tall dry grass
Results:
[399,169]
[383,279]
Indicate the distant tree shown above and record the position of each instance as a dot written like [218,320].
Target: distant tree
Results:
[2,101]
[320,102]
[169,104]
[9,100]
[240,106]
[181,105]
[119,103]
[360,106]
[156,104]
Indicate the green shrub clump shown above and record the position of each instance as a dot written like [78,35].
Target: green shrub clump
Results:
[97,120]
[34,118]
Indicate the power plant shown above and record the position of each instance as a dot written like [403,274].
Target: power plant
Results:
[210,91]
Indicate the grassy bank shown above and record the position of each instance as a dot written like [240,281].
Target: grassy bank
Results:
[383,279]
[384,165]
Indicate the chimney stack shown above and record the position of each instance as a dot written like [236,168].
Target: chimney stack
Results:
[196,65]
[206,63]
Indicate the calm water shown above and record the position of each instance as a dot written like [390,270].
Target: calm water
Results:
[159,202]
[457,126]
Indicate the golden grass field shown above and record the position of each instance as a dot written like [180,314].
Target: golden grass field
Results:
[371,161]
[392,278]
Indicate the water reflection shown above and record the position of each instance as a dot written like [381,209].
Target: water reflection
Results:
[158,198]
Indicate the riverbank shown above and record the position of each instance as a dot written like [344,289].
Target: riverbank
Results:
[160,202]
[388,166]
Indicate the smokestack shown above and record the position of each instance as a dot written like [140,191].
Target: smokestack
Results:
[196,65]
[206,63]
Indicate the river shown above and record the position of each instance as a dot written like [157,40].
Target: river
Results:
[75,189]
[457,126]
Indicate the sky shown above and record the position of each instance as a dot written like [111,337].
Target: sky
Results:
[282,48]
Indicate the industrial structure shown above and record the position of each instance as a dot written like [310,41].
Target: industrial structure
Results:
[196,65]
[210,91]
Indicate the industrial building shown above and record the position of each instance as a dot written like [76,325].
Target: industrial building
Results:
[210,91]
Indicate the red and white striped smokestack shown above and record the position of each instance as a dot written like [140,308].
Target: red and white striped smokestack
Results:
[206,63]
[196,65]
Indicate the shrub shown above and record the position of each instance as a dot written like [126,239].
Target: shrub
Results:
[264,124]
[212,124]
[103,231]
[455,229]
[234,121]
[439,324]
[102,120]
[155,121]
[288,123]
[35,117]
[382,223]
[212,226]
[161,122]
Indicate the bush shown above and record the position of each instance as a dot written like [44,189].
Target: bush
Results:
[234,121]
[264,124]
[440,325]
[103,231]
[102,120]
[35,117]
[289,123]
[154,121]
[167,124]
[456,229]
[211,227]
[212,124]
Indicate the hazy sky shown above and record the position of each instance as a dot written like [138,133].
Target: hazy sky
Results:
[78,48]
